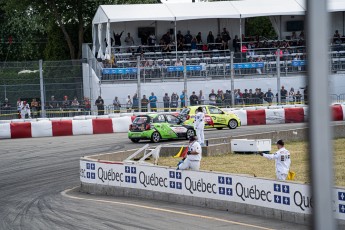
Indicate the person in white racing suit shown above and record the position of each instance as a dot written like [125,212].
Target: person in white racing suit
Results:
[25,109]
[199,125]
[194,155]
[282,158]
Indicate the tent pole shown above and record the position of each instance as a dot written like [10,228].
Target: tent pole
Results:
[241,36]
[175,39]
[108,40]
[280,27]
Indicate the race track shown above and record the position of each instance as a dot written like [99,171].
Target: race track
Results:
[34,172]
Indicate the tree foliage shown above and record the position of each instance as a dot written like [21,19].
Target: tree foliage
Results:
[62,25]
[261,26]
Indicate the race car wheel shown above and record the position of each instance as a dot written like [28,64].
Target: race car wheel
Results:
[135,140]
[156,137]
[190,133]
[233,124]
[219,128]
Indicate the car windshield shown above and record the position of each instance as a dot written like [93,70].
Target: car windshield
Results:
[185,111]
[141,120]
[159,119]
[172,119]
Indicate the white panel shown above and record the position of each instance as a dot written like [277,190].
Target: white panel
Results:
[242,114]
[275,116]
[121,124]
[41,129]
[5,131]
[82,127]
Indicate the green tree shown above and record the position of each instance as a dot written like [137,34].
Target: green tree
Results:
[261,26]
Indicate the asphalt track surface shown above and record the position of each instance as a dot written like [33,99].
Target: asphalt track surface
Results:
[35,172]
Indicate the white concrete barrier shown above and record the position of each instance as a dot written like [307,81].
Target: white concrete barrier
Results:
[82,127]
[275,116]
[79,118]
[5,131]
[121,124]
[41,129]
[242,114]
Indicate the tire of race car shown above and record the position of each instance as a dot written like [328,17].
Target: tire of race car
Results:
[135,140]
[156,137]
[189,133]
[233,124]
[219,128]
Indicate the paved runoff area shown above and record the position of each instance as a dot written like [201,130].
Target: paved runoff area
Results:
[37,176]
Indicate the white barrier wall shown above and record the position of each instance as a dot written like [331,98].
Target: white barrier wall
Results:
[279,195]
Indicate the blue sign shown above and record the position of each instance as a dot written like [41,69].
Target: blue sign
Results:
[341,196]
[133,170]
[341,208]
[180,68]
[286,200]
[178,185]
[285,188]
[248,65]
[221,180]
[229,191]
[119,70]
[297,63]
[127,169]
[172,174]
[277,199]
[172,184]
[277,187]
[228,180]
[178,175]
[222,191]
[134,179]
[128,179]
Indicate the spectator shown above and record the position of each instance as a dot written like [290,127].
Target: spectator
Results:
[188,38]
[225,36]
[293,35]
[6,105]
[193,99]
[198,38]
[179,36]
[166,38]
[220,98]
[19,107]
[238,96]
[246,97]
[34,108]
[336,34]
[129,41]
[75,102]
[65,103]
[178,62]
[25,110]
[204,47]
[144,103]
[53,104]
[227,98]
[166,47]
[100,105]
[153,102]
[269,97]
[144,39]
[298,97]
[283,95]
[250,96]
[305,95]
[152,41]
[183,99]
[180,45]
[174,101]
[292,96]
[261,97]
[117,38]
[87,105]
[129,104]
[166,102]
[117,105]
[201,98]
[135,103]
[218,41]
[210,39]
[212,98]
[236,44]
[193,45]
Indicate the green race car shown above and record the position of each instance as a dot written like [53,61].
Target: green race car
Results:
[219,118]
[156,127]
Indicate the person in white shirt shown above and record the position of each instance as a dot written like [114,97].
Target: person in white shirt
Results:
[199,125]
[25,110]
[282,158]
[129,104]
[194,155]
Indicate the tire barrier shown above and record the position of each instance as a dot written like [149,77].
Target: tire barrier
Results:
[63,127]
[88,125]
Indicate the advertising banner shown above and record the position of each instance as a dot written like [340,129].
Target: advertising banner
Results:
[279,195]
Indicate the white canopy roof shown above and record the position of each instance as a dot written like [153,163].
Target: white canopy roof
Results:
[201,10]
